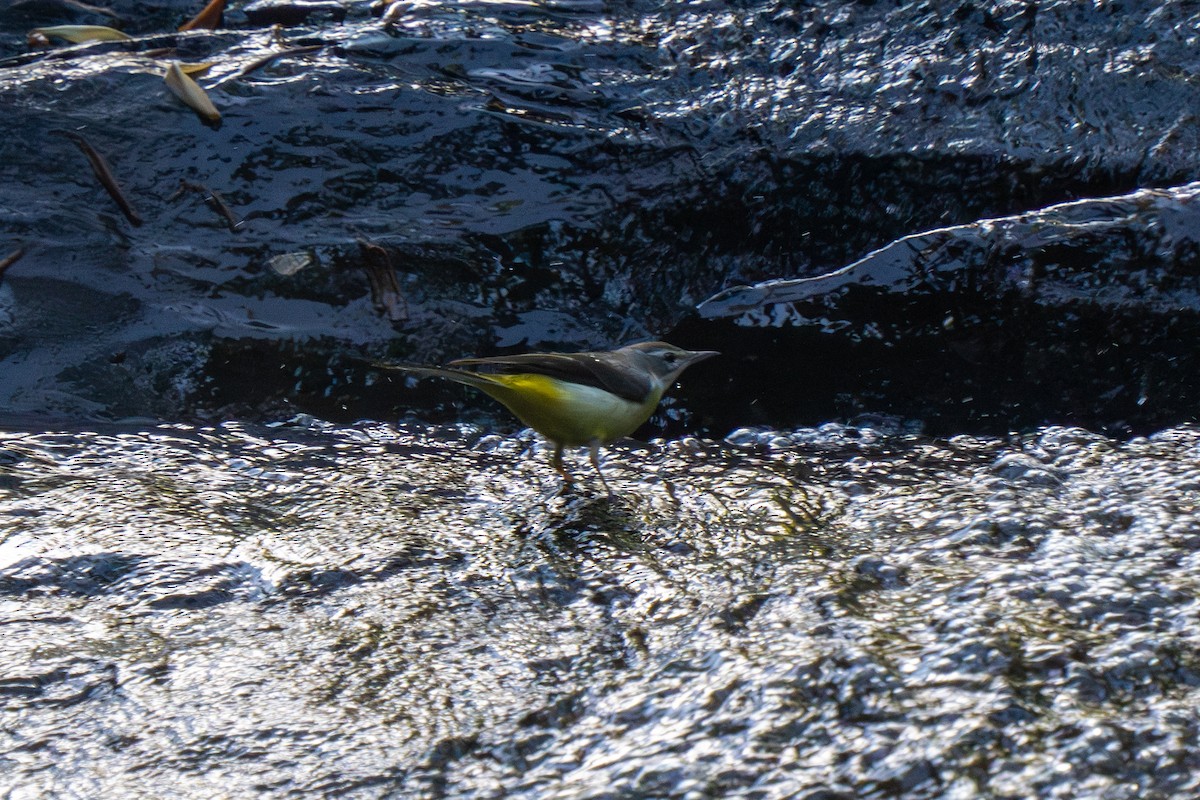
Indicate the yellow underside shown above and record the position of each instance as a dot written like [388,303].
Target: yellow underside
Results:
[568,413]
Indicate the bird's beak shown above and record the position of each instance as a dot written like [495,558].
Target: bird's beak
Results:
[696,356]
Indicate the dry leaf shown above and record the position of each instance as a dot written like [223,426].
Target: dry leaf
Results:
[190,93]
[81,33]
[209,17]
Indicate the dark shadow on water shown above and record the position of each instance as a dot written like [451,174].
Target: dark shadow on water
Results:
[87,575]
[579,515]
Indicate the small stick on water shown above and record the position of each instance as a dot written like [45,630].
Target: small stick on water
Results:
[11,259]
[212,199]
[259,63]
[108,12]
[103,174]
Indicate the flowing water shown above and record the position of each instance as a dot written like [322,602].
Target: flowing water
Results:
[306,610]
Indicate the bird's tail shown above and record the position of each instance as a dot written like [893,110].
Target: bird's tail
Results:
[479,380]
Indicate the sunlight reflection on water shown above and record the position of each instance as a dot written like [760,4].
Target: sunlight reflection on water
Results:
[319,608]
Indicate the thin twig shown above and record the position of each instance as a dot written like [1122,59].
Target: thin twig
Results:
[212,199]
[259,63]
[11,259]
[103,174]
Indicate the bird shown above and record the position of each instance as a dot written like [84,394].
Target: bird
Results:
[575,399]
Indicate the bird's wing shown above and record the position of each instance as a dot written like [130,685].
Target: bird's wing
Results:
[600,370]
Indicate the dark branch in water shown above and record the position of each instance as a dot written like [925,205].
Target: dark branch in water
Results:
[214,201]
[11,259]
[103,174]
[385,290]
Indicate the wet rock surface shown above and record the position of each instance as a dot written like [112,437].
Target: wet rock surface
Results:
[1081,313]
[373,612]
[558,175]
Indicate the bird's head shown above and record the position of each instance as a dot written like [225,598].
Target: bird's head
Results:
[666,361]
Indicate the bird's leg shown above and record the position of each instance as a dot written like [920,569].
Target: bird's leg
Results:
[556,461]
[594,447]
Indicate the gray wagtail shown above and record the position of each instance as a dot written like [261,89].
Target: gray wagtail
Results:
[576,399]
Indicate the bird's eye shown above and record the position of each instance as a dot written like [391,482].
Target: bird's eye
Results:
[670,358]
